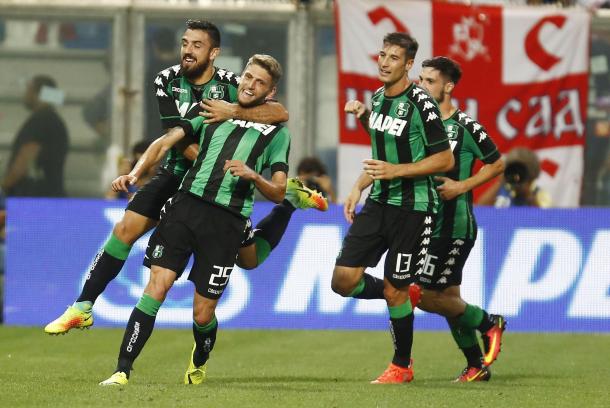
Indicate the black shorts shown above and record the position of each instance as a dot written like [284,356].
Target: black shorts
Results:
[378,228]
[212,234]
[446,262]
[149,199]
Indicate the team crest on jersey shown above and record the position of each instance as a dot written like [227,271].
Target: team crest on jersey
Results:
[401,110]
[452,132]
[216,92]
[158,252]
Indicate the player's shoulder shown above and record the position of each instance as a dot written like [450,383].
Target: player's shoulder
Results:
[166,75]
[226,76]
[423,103]
[469,124]
[378,92]
[419,97]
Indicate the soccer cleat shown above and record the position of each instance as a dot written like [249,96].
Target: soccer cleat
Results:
[118,378]
[470,374]
[395,375]
[414,294]
[492,339]
[72,318]
[195,375]
[301,196]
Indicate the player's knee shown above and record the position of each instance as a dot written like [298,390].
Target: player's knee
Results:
[124,231]
[390,293]
[445,304]
[245,263]
[203,315]
[247,258]
[343,283]
[160,282]
[431,301]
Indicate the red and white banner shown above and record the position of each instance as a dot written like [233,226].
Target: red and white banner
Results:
[525,77]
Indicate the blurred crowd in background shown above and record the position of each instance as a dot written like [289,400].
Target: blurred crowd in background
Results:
[58,99]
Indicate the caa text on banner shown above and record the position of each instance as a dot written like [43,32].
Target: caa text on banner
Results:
[525,77]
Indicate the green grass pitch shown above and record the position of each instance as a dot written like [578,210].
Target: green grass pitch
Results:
[272,368]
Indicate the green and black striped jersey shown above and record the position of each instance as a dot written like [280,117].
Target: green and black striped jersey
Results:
[259,146]
[405,129]
[179,99]
[469,141]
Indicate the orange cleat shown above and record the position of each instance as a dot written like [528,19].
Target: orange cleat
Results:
[395,375]
[492,340]
[470,374]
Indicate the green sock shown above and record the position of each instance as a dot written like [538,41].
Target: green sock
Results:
[400,311]
[472,317]
[206,327]
[263,249]
[84,306]
[464,337]
[148,305]
[117,248]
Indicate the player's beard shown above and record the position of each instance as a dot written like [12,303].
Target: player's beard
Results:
[441,98]
[254,102]
[196,70]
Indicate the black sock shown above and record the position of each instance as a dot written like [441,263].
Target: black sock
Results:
[205,337]
[474,356]
[272,227]
[138,330]
[486,323]
[369,287]
[402,335]
[105,268]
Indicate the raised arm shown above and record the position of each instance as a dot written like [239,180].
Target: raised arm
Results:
[361,112]
[153,155]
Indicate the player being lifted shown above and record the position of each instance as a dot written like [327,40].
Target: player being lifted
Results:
[179,90]
[456,228]
[409,144]
[207,217]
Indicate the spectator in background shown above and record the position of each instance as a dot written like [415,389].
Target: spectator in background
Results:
[163,55]
[597,146]
[126,164]
[312,172]
[517,186]
[97,112]
[38,153]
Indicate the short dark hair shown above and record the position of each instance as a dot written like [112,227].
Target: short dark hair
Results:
[270,64]
[208,27]
[311,165]
[43,80]
[404,41]
[446,66]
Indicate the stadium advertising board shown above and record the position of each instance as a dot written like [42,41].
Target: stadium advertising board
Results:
[545,270]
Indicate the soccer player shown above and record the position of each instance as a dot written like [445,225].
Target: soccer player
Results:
[179,90]
[409,144]
[456,229]
[207,217]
